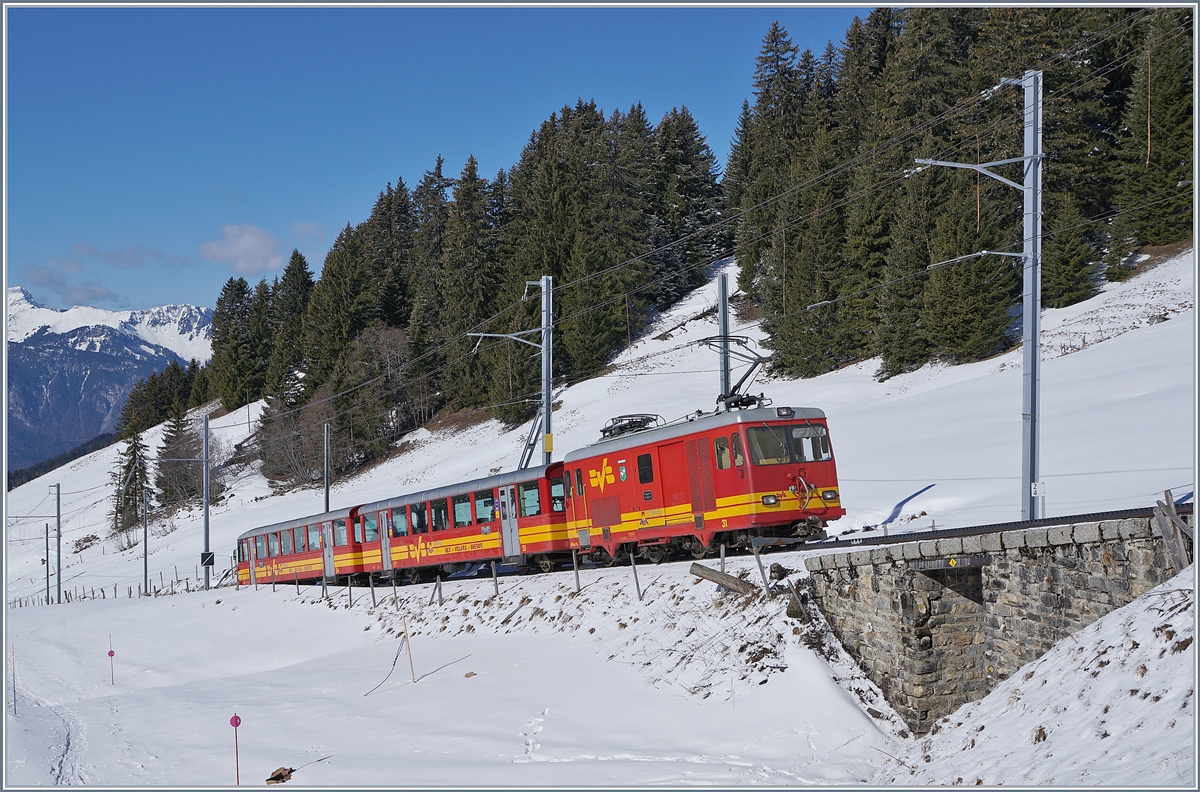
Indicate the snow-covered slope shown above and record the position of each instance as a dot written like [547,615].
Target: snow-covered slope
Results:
[541,698]
[184,329]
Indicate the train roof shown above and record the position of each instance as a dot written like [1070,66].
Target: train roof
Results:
[499,480]
[701,423]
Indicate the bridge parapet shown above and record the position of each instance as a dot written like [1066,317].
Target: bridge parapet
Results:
[938,623]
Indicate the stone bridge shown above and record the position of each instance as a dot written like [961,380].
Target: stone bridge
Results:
[939,623]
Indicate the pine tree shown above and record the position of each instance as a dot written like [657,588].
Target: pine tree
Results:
[178,478]
[290,302]
[232,356]
[1154,193]
[130,480]
[342,304]
[1068,254]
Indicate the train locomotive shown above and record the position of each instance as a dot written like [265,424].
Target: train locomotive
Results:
[645,489]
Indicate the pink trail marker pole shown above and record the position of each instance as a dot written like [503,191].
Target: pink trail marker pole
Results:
[235,721]
[112,675]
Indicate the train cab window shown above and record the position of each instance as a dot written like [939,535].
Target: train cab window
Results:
[273,544]
[397,522]
[286,538]
[810,443]
[645,469]
[739,458]
[579,481]
[339,533]
[439,514]
[260,546]
[485,506]
[529,498]
[314,537]
[417,518]
[371,527]
[358,535]
[768,445]
[721,446]
[462,511]
[301,536]
[558,495]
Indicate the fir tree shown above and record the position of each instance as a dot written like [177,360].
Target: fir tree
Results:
[130,478]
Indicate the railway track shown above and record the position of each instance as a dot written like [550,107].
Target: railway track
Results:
[973,530]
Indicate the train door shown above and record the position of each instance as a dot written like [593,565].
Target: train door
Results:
[676,490]
[253,562]
[510,537]
[327,548]
[385,539]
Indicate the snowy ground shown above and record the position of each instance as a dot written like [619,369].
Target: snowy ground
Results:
[667,698]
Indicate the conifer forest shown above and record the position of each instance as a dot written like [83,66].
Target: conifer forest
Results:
[833,225]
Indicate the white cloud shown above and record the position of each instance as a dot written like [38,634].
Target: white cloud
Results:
[247,249]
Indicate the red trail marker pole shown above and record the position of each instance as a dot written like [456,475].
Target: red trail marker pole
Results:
[112,675]
[235,721]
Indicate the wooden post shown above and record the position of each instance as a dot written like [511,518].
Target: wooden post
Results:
[272,578]
[371,583]
[575,564]
[633,566]
[495,580]
[394,602]
[1172,539]
[349,593]
[761,571]
[161,582]
[324,591]
[296,578]
[721,579]
[722,558]
[408,646]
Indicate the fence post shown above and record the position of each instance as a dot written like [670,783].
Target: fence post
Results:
[371,582]
[575,564]
[296,577]
[722,558]
[495,580]
[633,566]
[349,593]
[761,571]
[394,602]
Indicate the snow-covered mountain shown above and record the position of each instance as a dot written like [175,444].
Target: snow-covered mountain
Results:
[183,329]
[69,372]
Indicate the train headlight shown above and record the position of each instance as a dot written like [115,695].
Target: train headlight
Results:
[770,500]
[784,412]
[829,495]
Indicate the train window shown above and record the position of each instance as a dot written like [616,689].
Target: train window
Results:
[529,498]
[301,535]
[357,523]
[339,533]
[462,511]
[579,481]
[314,537]
[397,521]
[739,458]
[810,443]
[417,519]
[721,445]
[485,506]
[645,469]
[439,515]
[371,527]
[260,547]
[768,446]
[286,538]
[273,544]
[557,495]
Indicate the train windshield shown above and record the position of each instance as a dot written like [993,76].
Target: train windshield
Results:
[777,445]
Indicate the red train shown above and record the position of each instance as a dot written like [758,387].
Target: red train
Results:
[645,488]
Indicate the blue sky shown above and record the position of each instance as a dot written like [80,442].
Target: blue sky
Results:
[155,152]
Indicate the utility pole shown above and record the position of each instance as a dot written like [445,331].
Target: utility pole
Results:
[547,350]
[326,467]
[58,552]
[145,542]
[47,562]
[207,555]
[723,332]
[1031,189]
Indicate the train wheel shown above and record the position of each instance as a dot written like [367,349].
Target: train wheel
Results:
[544,563]
[656,553]
[608,559]
[699,551]
[412,576]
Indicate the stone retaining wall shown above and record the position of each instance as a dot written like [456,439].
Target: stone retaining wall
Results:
[935,639]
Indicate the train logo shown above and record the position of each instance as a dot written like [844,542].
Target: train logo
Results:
[603,476]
